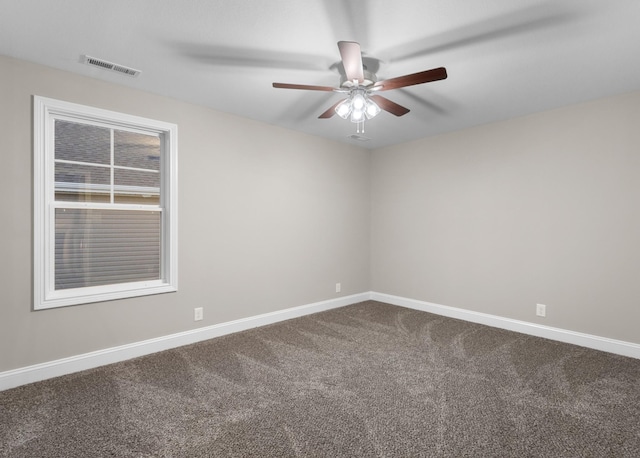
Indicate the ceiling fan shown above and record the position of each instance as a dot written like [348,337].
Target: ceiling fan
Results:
[361,85]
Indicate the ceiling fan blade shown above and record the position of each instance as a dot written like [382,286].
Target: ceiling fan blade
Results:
[351,60]
[497,27]
[426,76]
[250,57]
[388,105]
[305,87]
[331,111]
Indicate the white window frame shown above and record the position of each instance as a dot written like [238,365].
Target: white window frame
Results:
[45,112]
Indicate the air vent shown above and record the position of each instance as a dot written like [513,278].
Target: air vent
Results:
[360,138]
[106,65]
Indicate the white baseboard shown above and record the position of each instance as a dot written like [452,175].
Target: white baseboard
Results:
[43,371]
[577,338]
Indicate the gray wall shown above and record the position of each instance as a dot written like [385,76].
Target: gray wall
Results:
[268,219]
[541,209]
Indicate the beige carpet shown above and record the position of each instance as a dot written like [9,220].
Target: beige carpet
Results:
[369,379]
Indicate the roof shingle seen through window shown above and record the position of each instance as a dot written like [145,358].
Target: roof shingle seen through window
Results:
[136,150]
[92,145]
[82,142]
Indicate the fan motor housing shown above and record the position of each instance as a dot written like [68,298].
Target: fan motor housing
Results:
[369,79]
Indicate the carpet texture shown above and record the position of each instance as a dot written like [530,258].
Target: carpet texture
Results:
[369,379]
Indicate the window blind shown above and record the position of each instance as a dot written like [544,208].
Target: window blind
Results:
[96,247]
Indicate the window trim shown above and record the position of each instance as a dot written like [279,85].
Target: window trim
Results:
[45,111]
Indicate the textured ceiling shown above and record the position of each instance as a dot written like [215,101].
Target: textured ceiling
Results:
[504,58]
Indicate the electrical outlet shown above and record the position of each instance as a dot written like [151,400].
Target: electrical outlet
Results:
[198,314]
[338,287]
[541,310]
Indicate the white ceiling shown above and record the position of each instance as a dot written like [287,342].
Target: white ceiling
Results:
[504,58]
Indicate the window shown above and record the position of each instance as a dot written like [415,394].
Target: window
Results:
[105,205]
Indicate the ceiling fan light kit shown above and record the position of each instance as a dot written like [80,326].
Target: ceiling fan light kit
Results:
[359,83]
[358,107]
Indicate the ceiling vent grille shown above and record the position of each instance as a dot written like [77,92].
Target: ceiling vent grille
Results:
[106,65]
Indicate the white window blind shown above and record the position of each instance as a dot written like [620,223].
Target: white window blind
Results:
[103,247]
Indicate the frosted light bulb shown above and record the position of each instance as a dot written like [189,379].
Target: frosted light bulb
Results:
[358,102]
[357,115]
[372,109]
[344,109]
